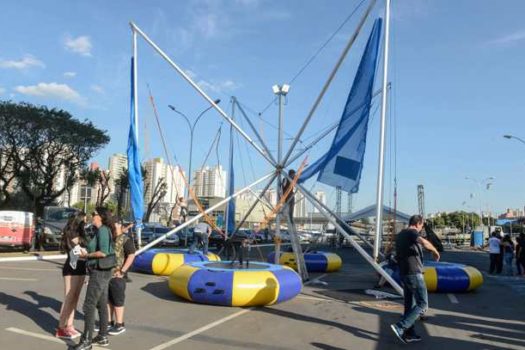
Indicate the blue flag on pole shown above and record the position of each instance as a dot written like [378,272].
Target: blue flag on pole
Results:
[341,166]
[134,169]
[230,228]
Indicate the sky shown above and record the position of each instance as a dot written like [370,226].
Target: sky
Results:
[456,68]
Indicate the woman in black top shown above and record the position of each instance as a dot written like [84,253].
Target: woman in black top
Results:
[74,273]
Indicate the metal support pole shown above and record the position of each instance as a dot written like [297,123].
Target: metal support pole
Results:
[345,225]
[329,81]
[201,92]
[207,211]
[279,181]
[316,203]
[254,129]
[136,113]
[323,135]
[381,168]
[259,198]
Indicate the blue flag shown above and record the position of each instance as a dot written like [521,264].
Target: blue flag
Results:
[341,166]
[230,214]
[134,169]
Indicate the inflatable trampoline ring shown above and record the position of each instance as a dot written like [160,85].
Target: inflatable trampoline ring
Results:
[316,261]
[442,277]
[221,283]
[164,261]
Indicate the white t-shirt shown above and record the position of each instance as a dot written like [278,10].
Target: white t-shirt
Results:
[494,244]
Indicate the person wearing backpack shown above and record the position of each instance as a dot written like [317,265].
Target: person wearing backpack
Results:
[125,254]
[100,263]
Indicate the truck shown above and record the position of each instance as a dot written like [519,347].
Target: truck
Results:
[16,228]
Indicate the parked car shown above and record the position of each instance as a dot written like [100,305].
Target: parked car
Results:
[152,232]
[53,222]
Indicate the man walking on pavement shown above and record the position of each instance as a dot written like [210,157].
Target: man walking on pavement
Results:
[409,255]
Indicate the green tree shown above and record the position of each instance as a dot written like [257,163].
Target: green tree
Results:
[45,144]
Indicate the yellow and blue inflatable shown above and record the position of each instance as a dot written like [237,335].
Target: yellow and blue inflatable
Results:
[164,261]
[442,277]
[218,283]
[316,261]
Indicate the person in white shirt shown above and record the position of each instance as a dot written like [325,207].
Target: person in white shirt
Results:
[494,251]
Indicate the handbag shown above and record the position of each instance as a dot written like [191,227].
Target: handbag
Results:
[109,261]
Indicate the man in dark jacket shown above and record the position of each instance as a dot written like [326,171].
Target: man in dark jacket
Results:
[409,255]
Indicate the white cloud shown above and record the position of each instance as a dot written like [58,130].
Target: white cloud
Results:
[218,86]
[81,45]
[52,90]
[70,74]
[510,38]
[2,90]
[26,62]
[97,88]
[207,25]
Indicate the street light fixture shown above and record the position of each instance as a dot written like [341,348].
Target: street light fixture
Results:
[192,129]
[514,137]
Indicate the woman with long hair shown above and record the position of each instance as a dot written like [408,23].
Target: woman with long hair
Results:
[74,273]
[100,263]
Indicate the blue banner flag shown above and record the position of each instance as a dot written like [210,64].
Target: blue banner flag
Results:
[341,166]
[134,168]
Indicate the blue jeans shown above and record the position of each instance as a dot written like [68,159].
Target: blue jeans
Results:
[508,263]
[416,300]
[200,237]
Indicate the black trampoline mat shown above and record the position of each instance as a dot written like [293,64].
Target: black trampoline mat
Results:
[236,266]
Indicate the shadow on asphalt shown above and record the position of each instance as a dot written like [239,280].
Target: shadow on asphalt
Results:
[33,311]
[357,332]
[501,332]
[325,346]
[160,290]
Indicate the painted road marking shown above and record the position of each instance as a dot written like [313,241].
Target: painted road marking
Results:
[453,298]
[18,279]
[34,258]
[26,268]
[47,337]
[200,330]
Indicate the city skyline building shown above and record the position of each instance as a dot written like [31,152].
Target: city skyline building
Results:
[156,170]
[210,182]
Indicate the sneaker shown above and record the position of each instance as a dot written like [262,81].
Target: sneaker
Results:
[83,345]
[398,332]
[100,340]
[63,333]
[117,329]
[74,333]
[411,338]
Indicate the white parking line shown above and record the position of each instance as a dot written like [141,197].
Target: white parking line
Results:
[452,298]
[47,337]
[18,279]
[200,330]
[26,268]
[34,258]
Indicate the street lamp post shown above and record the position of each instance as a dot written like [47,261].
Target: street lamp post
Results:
[514,137]
[192,129]
[488,181]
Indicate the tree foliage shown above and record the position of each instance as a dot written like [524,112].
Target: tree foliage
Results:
[39,145]
[457,219]
[158,193]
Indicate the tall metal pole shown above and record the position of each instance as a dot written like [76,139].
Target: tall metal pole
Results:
[381,168]
[201,92]
[279,180]
[136,113]
[191,155]
[329,81]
